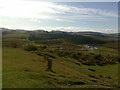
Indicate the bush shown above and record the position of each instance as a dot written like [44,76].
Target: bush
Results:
[30,47]
[75,56]
[14,45]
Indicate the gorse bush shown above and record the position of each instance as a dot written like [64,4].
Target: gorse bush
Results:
[88,58]
[30,47]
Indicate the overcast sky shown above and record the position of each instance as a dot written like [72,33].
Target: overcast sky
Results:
[65,16]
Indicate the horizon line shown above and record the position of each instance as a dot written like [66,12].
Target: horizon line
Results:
[56,30]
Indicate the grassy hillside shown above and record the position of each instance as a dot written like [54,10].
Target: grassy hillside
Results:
[0,59]
[74,65]
[0,67]
[30,71]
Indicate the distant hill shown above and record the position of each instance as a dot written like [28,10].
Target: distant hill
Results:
[72,37]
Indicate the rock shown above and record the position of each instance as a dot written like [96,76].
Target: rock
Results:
[92,76]
[91,69]
[26,70]
[109,77]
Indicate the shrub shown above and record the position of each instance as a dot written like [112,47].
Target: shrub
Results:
[49,55]
[44,46]
[14,45]
[76,56]
[30,47]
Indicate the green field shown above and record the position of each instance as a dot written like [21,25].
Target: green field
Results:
[22,68]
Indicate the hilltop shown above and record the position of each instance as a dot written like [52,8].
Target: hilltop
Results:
[80,59]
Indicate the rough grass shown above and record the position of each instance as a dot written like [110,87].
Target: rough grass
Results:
[17,35]
[0,59]
[22,69]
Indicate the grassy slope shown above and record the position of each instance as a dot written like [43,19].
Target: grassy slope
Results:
[28,70]
[0,59]
[0,67]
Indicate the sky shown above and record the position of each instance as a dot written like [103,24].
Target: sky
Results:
[63,16]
